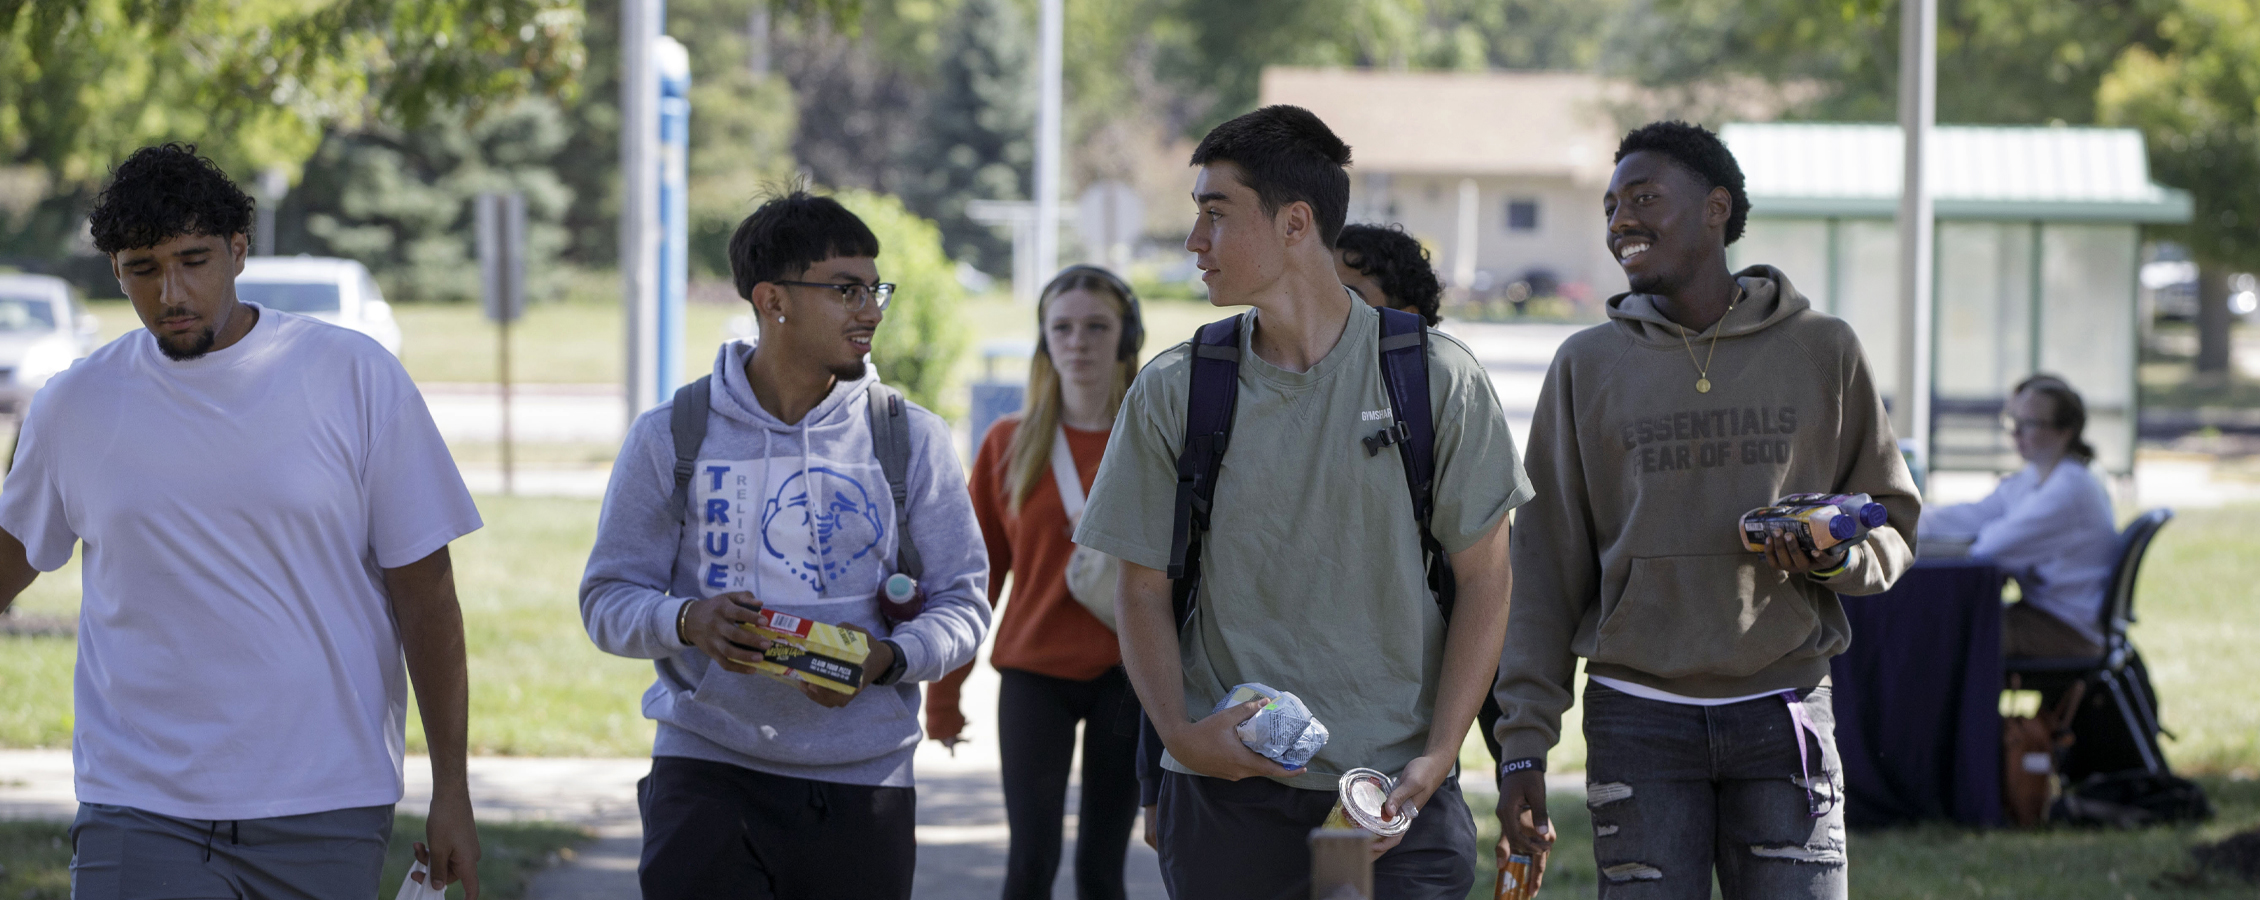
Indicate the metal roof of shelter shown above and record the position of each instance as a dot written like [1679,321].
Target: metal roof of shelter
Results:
[1803,170]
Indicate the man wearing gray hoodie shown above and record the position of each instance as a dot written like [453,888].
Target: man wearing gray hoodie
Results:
[759,788]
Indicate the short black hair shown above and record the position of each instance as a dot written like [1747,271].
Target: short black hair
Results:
[791,232]
[1699,151]
[1287,155]
[162,192]
[1388,255]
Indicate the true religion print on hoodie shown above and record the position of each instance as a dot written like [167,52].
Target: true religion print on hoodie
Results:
[801,517]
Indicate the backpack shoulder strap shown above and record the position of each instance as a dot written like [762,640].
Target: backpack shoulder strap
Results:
[1209,403]
[1404,372]
[890,442]
[687,420]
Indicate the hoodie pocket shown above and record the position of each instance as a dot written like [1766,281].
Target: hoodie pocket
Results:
[1725,615]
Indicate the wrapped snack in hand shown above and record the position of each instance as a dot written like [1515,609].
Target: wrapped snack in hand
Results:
[1283,731]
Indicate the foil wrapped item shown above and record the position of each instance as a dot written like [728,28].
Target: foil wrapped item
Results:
[1283,731]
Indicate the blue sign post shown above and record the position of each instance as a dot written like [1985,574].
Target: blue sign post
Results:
[674,64]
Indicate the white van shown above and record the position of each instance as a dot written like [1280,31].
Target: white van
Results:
[337,291]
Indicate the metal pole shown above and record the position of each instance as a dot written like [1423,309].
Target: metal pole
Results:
[1918,111]
[674,64]
[1047,141]
[639,200]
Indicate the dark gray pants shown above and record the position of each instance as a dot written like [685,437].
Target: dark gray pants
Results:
[713,831]
[1678,790]
[122,853]
[1250,840]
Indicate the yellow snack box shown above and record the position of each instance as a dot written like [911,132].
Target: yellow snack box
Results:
[809,652]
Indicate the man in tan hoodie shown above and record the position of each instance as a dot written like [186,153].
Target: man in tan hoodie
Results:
[1710,741]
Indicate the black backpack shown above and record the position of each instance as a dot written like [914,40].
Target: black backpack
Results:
[890,442]
[1209,405]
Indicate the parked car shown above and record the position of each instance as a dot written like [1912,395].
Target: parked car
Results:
[44,327]
[337,291]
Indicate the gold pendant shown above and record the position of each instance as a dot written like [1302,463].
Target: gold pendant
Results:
[1702,385]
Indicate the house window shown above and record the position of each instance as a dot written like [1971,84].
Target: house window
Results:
[1522,215]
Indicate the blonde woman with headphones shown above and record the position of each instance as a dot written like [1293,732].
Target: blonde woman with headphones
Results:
[1055,647]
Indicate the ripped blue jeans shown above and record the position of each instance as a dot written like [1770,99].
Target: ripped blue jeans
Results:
[1678,791]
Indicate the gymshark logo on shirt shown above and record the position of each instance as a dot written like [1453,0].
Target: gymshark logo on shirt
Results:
[1374,415]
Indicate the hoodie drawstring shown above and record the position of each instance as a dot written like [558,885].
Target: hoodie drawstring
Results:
[235,836]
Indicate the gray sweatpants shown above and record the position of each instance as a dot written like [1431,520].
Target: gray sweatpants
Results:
[122,853]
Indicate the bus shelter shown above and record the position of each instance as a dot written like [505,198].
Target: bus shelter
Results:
[2038,250]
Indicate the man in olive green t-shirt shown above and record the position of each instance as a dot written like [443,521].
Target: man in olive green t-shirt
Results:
[1312,577]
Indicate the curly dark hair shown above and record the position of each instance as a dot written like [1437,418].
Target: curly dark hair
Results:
[1388,255]
[162,192]
[1699,151]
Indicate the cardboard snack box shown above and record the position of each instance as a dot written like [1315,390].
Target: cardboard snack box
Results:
[810,652]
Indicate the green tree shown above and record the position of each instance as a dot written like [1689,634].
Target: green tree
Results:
[1999,61]
[922,340]
[976,139]
[254,82]
[400,201]
[2197,101]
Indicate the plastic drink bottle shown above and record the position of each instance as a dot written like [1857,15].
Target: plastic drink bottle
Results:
[901,598]
[1815,521]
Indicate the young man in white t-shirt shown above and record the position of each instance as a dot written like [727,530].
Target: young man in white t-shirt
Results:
[266,507]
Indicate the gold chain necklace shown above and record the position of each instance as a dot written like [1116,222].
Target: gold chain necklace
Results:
[1703,369]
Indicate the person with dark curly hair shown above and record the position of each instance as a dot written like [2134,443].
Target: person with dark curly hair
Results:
[1710,741]
[265,507]
[1386,267]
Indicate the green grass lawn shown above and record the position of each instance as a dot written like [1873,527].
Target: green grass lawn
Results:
[35,857]
[1937,862]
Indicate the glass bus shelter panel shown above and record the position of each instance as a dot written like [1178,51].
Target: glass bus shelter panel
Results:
[1798,247]
[2087,327]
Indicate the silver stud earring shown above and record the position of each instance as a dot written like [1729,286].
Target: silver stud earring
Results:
[780,319]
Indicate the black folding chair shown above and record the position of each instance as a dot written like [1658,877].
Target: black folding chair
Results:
[2110,670]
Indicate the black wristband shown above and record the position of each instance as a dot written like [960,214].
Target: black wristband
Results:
[1512,766]
[894,669]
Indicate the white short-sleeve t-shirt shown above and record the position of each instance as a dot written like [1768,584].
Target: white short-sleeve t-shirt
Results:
[237,652]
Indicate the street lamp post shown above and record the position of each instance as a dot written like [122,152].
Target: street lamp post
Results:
[1918,111]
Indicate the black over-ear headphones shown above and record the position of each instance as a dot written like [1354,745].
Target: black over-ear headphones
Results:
[1133,321]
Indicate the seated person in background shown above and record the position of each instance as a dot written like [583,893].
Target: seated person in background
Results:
[2049,526]
[1386,267]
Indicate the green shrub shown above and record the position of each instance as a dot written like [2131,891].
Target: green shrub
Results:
[922,338]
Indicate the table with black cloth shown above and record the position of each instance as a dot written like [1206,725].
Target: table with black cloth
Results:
[1917,698]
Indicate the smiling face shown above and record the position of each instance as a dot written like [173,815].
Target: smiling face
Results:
[184,291]
[1082,332]
[818,329]
[1239,248]
[1664,224]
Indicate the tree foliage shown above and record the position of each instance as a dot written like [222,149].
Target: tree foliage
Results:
[922,338]
[1999,61]
[401,201]
[2197,101]
[976,140]
[83,83]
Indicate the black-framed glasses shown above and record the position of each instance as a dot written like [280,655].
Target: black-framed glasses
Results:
[855,296]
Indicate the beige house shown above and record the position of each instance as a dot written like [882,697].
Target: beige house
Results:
[1500,174]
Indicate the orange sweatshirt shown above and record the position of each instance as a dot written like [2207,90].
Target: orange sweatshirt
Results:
[1043,630]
